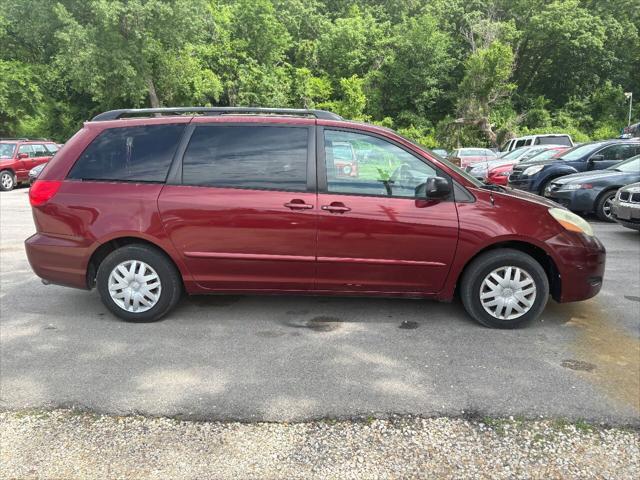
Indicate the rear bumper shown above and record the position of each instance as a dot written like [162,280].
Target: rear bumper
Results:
[59,260]
[581,268]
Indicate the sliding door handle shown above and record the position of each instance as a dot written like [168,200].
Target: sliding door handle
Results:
[297,204]
[336,207]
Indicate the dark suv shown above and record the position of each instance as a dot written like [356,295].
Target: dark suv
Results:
[536,176]
[18,156]
[256,201]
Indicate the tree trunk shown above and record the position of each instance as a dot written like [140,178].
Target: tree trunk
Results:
[484,125]
[153,96]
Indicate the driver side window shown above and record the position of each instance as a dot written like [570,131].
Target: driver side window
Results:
[362,164]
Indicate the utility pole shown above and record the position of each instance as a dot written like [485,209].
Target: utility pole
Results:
[629,95]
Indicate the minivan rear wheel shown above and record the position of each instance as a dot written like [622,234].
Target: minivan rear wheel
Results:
[504,288]
[138,283]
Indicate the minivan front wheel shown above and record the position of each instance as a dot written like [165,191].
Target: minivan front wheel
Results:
[504,288]
[138,283]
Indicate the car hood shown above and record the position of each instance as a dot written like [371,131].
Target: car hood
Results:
[590,176]
[529,197]
[527,164]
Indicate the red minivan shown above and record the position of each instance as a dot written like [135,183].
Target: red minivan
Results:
[249,200]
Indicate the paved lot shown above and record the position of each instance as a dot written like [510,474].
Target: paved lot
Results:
[294,358]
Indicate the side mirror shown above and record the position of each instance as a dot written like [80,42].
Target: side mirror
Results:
[434,188]
[22,156]
[596,158]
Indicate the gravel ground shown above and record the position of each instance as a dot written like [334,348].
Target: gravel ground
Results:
[66,445]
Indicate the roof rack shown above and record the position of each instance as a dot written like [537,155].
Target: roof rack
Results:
[24,139]
[214,111]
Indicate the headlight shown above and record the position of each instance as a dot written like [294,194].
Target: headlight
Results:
[571,186]
[571,221]
[533,170]
[347,169]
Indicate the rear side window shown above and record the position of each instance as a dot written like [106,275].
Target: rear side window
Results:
[264,157]
[131,154]
[520,143]
[559,140]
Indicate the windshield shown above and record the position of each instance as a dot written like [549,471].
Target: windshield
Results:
[544,155]
[7,149]
[632,165]
[514,154]
[579,152]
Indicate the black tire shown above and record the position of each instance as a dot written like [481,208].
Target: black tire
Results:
[7,180]
[544,186]
[170,280]
[601,206]
[482,266]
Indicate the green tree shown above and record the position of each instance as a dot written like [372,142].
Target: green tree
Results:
[135,52]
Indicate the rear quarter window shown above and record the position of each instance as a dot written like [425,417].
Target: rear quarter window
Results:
[131,154]
[559,140]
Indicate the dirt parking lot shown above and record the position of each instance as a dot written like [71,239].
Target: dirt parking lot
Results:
[300,358]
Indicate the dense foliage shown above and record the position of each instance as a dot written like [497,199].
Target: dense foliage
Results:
[443,72]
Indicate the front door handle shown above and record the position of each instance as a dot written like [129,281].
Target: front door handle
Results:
[336,207]
[297,204]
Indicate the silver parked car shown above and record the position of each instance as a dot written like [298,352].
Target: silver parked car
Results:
[625,208]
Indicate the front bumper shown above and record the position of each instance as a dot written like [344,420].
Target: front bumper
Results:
[522,183]
[626,213]
[581,261]
[575,200]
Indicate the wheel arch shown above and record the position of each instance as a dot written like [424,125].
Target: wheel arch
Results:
[539,254]
[552,176]
[104,249]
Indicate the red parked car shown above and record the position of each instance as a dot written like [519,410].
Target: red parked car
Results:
[248,200]
[499,174]
[465,157]
[18,156]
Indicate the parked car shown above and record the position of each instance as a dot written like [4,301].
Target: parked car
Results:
[344,160]
[18,156]
[532,140]
[245,200]
[536,176]
[594,191]
[625,208]
[481,170]
[499,174]
[34,172]
[463,157]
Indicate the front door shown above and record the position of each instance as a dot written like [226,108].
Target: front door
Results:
[611,155]
[374,235]
[244,216]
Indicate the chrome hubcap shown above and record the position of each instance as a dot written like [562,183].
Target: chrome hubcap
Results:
[606,208]
[134,286]
[7,180]
[507,293]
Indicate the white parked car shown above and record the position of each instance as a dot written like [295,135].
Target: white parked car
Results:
[544,139]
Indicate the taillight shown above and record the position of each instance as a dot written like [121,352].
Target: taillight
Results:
[42,191]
